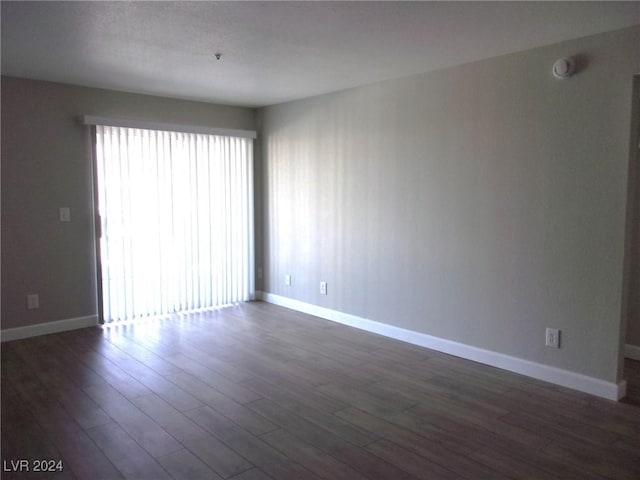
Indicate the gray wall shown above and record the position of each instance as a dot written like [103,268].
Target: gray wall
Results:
[633,325]
[46,164]
[480,203]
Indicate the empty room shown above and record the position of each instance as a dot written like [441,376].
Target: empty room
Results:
[320,240]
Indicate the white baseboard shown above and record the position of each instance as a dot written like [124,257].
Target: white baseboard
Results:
[565,378]
[632,352]
[47,328]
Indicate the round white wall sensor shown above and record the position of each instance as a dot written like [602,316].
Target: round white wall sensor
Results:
[563,68]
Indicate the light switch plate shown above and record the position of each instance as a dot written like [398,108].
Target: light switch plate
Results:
[65,214]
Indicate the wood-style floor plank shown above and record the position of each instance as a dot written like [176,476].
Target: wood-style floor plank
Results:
[410,462]
[174,422]
[139,426]
[314,459]
[184,464]
[127,456]
[259,392]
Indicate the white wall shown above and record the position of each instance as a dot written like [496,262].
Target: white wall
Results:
[479,204]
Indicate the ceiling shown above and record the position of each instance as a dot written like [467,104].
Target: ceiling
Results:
[274,52]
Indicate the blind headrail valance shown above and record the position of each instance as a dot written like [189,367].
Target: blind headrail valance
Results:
[169,127]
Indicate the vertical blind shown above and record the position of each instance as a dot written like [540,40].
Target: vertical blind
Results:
[176,214]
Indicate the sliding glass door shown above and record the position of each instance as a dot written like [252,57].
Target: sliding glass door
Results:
[176,221]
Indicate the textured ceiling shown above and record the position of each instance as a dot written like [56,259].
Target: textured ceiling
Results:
[277,51]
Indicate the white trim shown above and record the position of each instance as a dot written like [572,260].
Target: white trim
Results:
[168,127]
[632,352]
[565,378]
[47,327]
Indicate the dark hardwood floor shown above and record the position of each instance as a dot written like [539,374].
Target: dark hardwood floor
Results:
[260,392]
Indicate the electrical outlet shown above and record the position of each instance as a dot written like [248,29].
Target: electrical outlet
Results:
[323,288]
[287,280]
[33,301]
[552,338]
